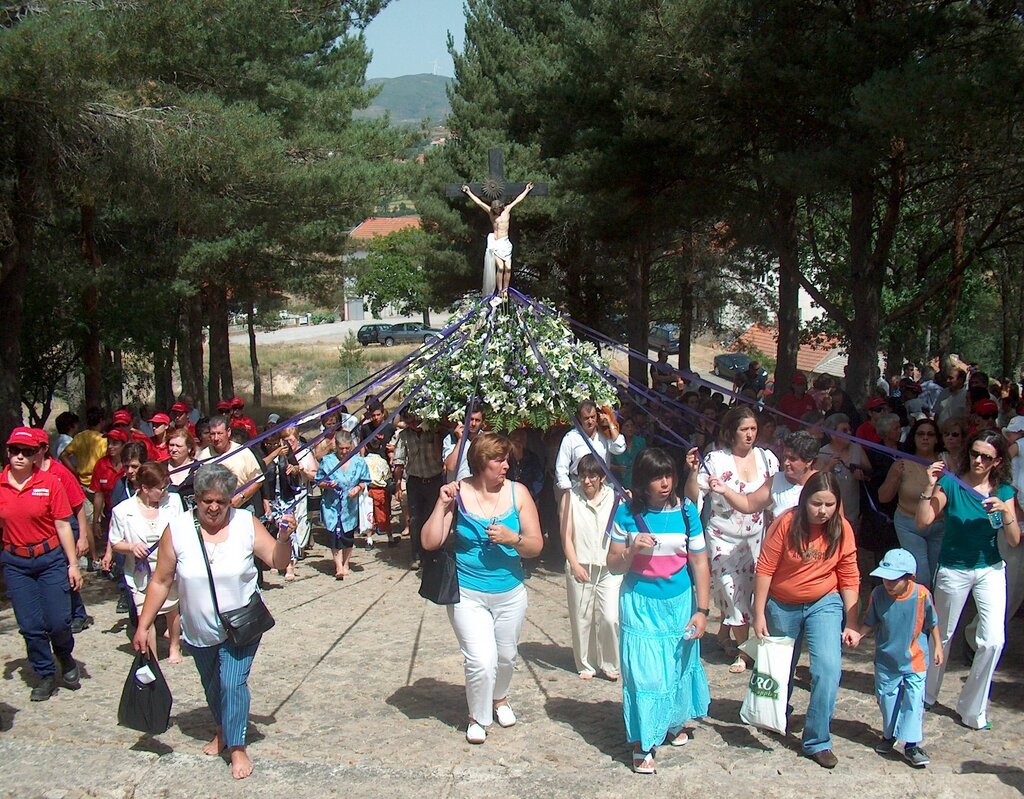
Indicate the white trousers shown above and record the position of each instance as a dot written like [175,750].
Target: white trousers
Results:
[951,588]
[594,619]
[1013,557]
[487,626]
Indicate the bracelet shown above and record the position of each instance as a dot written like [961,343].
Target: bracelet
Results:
[926,496]
[705,611]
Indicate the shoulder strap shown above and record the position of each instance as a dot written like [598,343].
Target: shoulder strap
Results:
[206,560]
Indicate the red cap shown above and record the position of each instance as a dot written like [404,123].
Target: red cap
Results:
[116,434]
[23,436]
[122,417]
[179,407]
[876,402]
[985,406]
[799,377]
[224,405]
[160,418]
[237,402]
[41,437]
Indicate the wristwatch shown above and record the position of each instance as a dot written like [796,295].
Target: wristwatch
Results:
[705,611]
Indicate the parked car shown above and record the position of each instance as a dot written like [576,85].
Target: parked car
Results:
[409,333]
[730,364]
[664,336]
[372,334]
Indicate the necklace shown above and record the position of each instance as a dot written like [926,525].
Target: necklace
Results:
[211,554]
[494,505]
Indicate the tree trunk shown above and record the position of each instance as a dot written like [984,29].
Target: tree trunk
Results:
[185,372]
[685,314]
[638,288]
[944,336]
[426,317]
[92,371]
[163,370]
[894,355]
[257,381]
[787,248]
[862,371]
[14,267]
[222,384]
[194,331]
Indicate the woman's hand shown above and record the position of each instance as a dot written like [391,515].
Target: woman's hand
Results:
[935,472]
[500,534]
[699,623]
[82,544]
[993,504]
[140,551]
[354,491]
[579,573]
[286,526]
[108,560]
[716,486]
[693,459]
[448,493]
[851,637]
[760,626]
[74,577]
[642,541]
[140,641]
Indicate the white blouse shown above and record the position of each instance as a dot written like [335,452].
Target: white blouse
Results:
[234,575]
[127,523]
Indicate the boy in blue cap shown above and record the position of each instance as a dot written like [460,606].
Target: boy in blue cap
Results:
[904,616]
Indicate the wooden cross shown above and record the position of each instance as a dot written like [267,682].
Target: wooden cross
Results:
[495,187]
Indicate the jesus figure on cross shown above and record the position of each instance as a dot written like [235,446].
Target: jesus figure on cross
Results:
[499,247]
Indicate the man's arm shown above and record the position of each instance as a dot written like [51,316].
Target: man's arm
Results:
[520,198]
[469,193]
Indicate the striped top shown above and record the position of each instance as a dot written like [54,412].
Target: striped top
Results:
[661,572]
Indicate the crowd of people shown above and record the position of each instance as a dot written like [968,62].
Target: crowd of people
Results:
[789,513]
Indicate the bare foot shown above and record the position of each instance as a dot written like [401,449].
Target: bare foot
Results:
[215,746]
[241,765]
[174,658]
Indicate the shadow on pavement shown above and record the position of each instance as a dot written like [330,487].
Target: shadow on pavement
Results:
[198,724]
[6,716]
[428,698]
[1008,775]
[548,656]
[724,718]
[597,723]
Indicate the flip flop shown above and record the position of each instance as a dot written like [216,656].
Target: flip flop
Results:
[738,666]
[643,763]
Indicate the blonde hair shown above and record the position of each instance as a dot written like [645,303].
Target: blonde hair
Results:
[487,447]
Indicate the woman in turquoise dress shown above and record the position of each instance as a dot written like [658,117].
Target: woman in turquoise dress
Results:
[663,608]
[622,465]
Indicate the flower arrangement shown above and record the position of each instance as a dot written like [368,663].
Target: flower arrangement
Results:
[513,385]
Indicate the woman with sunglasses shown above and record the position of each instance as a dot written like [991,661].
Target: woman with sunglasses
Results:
[39,562]
[954,434]
[976,505]
[136,525]
[905,482]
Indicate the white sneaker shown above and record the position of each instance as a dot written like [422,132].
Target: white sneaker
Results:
[504,715]
[476,734]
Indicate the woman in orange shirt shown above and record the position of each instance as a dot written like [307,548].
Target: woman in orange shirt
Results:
[806,587]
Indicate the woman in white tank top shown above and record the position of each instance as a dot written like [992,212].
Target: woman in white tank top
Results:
[231,538]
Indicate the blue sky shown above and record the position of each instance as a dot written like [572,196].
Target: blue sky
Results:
[409,37]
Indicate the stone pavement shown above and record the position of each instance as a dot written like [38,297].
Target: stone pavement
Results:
[358,692]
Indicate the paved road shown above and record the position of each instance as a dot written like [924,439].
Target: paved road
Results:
[358,692]
[331,333]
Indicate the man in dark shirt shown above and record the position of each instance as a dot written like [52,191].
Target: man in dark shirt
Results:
[380,442]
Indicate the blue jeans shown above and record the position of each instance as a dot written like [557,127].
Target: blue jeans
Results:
[41,596]
[821,622]
[224,673]
[923,544]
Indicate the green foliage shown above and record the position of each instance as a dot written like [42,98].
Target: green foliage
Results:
[393,272]
[350,353]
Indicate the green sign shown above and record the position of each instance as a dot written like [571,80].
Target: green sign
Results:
[763,685]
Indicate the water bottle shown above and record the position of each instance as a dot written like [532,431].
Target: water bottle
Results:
[689,632]
[995,518]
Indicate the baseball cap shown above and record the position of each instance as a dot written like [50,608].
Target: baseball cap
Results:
[24,436]
[122,417]
[876,402]
[179,407]
[274,418]
[895,564]
[985,406]
[42,438]
[160,418]
[224,405]
[1016,425]
[117,434]
[236,402]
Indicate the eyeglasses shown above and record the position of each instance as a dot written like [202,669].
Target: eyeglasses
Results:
[28,452]
[953,434]
[984,458]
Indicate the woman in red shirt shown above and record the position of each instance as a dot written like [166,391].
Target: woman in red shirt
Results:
[39,562]
[806,586]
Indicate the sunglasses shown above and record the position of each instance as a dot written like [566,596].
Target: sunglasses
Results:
[988,416]
[984,458]
[953,434]
[28,452]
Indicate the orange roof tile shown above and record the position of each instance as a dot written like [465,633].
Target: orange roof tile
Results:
[382,225]
[818,356]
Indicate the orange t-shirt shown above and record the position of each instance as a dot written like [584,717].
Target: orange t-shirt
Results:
[799,580]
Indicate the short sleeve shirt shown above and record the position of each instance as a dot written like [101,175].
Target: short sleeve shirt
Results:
[86,448]
[902,627]
[28,514]
[677,532]
[970,541]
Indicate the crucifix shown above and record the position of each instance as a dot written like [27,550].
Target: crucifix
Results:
[491,196]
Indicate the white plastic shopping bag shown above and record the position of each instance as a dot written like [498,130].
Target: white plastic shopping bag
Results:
[365,513]
[765,703]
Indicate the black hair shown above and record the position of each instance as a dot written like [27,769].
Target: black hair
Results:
[650,464]
[589,467]
[908,443]
[1001,472]
[66,421]
[94,415]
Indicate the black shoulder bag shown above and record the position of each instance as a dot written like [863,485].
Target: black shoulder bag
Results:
[440,580]
[243,625]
